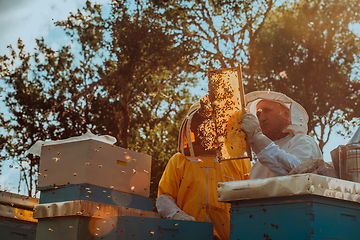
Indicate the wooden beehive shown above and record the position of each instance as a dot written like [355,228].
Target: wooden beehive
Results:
[97,163]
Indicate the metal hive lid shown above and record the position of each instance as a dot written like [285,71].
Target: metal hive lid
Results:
[355,138]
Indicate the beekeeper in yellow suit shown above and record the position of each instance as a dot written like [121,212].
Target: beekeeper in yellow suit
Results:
[188,187]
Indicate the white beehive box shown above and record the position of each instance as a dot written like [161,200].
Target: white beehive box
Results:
[95,162]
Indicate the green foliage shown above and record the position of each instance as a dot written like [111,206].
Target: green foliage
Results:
[308,52]
[129,80]
[3,138]
[225,29]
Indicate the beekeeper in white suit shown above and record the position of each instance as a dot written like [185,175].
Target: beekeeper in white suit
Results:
[276,128]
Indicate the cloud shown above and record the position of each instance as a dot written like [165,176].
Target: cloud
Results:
[9,6]
[9,179]
[26,21]
[32,19]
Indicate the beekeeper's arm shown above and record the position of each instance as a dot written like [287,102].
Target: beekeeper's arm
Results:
[166,206]
[268,153]
[168,190]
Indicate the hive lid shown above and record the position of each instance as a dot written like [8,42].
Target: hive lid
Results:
[17,200]
[355,138]
[87,209]
[311,184]
[36,148]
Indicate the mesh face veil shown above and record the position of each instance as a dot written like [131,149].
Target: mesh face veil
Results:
[187,135]
[298,116]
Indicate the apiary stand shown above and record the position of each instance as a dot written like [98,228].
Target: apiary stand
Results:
[305,206]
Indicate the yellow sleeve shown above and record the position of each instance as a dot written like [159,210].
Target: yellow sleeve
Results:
[171,179]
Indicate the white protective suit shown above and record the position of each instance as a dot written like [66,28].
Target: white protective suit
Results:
[280,156]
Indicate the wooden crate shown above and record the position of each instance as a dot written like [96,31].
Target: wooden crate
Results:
[16,216]
[96,163]
[294,217]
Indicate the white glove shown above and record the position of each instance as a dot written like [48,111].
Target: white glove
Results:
[251,126]
[181,215]
[166,206]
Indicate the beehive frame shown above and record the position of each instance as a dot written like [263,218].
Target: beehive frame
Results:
[226,93]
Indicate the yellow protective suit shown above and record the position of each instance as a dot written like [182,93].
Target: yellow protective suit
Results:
[194,185]
[193,182]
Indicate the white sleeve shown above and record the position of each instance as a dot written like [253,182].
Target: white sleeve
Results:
[300,148]
[166,206]
[277,160]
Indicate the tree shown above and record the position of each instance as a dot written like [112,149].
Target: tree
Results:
[129,80]
[3,138]
[226,30]
[308,52]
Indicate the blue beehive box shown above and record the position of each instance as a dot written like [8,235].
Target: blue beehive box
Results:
[65,228]
[89,192]
[141,228]
[74,220]
[297,217]
[305,206]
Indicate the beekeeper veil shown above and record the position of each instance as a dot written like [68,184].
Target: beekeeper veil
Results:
[187,134]
[298,117]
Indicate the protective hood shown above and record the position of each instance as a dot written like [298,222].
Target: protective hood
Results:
[186,135]
[298,116]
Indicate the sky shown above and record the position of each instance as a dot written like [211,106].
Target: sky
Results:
[31,19]
[28,20]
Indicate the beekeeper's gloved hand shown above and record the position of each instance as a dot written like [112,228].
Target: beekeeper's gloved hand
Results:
[251,126]
[181,215]
[166,206]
